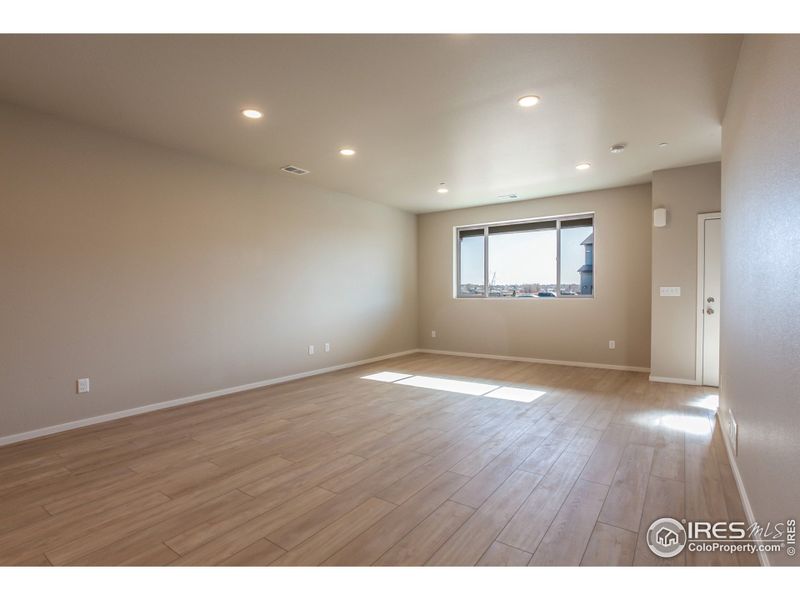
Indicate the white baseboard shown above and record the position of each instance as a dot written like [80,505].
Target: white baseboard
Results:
[36,433]
[53,429]
[567,363]
[658,379]
[748,509]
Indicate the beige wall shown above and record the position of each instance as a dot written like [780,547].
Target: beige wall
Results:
[569,329]
[160,275]
[760,355]
[685,193]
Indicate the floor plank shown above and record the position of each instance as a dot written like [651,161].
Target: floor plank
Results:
[426,538]
[500,555]
[623,505]
[204,545]
[371,544]
[664,498]
[526,530]
[260,553]
[470,542]
[609,546]
[568,535]
[330,539]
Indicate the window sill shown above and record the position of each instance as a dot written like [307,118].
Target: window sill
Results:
[513,298]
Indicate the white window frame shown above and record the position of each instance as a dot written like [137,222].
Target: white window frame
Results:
[485,226]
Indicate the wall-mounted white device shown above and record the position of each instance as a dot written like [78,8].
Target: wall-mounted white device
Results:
[660,217]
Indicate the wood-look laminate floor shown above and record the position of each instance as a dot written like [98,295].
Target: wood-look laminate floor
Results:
[340,470]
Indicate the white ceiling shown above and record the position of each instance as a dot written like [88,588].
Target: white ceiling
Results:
[419,109]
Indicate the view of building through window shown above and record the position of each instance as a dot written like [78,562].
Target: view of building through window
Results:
[522,259]
[577,257]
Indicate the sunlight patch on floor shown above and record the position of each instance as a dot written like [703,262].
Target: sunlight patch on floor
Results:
[448,385]
[387,376]
[710,402]
[515,394]
[690,424]
[443,384]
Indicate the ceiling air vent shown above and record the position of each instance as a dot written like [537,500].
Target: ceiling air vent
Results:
[295,170]
[508,197]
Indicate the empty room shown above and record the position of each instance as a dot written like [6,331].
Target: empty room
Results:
[385,300]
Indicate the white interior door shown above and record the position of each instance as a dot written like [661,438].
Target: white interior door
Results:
[710,304]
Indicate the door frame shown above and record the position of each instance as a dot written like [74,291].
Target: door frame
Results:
[700,306]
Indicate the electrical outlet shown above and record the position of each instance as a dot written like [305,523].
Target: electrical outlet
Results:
[83,385]
[433,333]
[310,350]
[327,346]
[733,433]
[612,344]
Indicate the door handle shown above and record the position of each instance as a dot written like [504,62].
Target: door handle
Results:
[709,311]
[710,299]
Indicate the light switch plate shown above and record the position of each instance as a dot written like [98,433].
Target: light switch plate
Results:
[670,291]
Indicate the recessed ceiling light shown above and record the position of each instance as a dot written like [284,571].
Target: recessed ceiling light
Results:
[252,113]
[583,166]
[347,152]
[442,189]
[528,101]
[617,148]
[663,144]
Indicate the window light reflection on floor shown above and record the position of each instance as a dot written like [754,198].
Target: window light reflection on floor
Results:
[472,388]
[516,394]
[691,424]
[448,385]
[388,376]
[710,402]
